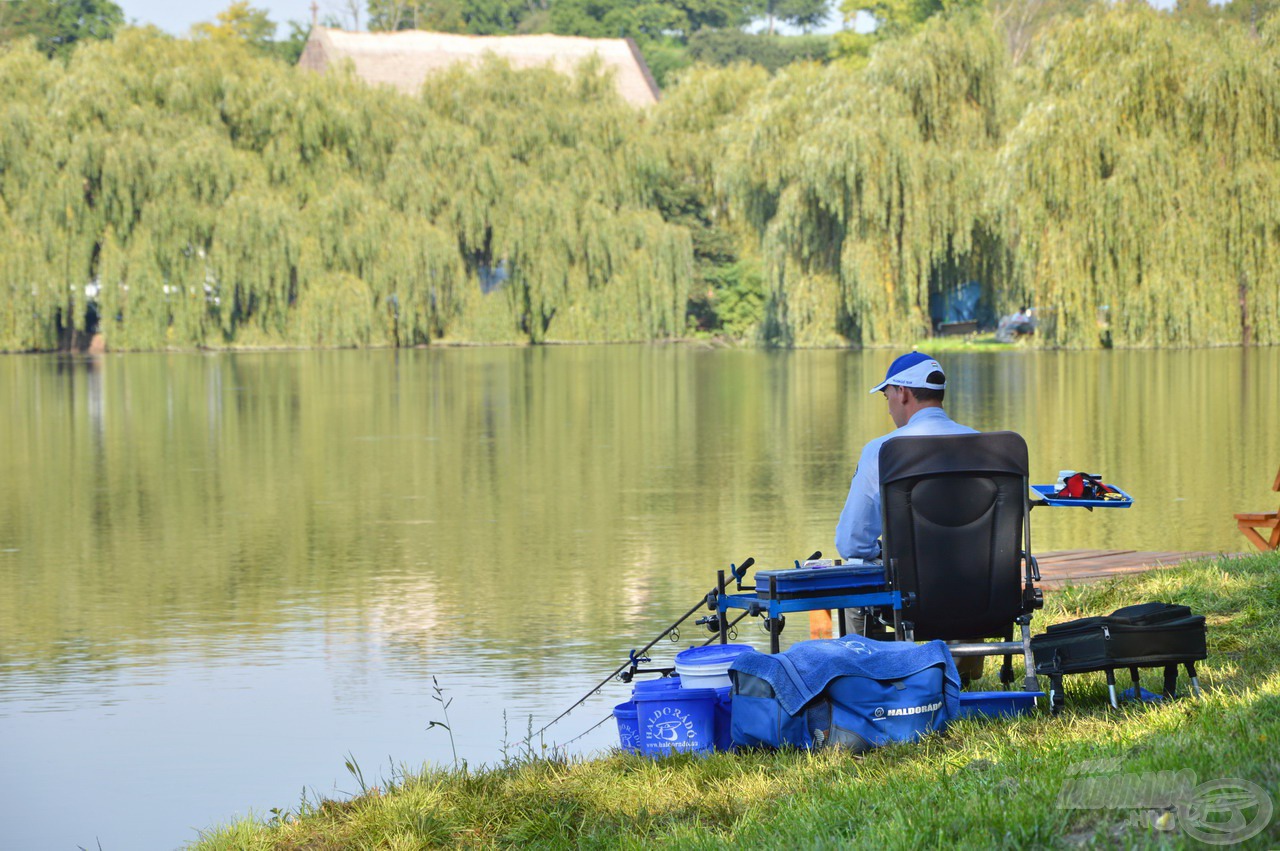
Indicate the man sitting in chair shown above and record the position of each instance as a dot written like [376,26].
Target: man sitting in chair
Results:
[914,387]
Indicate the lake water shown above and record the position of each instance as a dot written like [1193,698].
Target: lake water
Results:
[222,576]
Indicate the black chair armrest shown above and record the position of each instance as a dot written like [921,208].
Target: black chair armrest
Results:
[1035,566]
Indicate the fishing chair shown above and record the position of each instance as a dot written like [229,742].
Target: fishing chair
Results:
[957,543]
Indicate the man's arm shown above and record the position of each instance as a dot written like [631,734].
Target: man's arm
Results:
[858,532]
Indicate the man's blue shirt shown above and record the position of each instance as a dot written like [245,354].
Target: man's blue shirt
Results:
[858,532]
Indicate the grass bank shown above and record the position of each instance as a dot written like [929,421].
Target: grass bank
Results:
[972,343]
[979,785]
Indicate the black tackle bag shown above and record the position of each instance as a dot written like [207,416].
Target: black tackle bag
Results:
[1141,636]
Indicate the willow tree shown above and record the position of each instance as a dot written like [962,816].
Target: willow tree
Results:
[690,126]
[185,194]
[194,194]
[1143,199]
[551,188]
[867,187]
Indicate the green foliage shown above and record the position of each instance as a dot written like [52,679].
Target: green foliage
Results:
[894,19]
[725,291]
[805,14]
[1148,189]
[1024,20]
[1258,15]
[714,13]
[862,186]
[239,22]
[495,17]
[58,25]
[477,17]
[618,19]
[437,15]
[897,19]
[289,49]
[666,58]
[215,199]
[733,302]
[1132,207]
[192,194]
[725,47]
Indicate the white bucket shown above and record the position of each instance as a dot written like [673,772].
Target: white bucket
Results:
[707,667]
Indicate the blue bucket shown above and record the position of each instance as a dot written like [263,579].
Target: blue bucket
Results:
[628,730]
[724,719]
[682,720]
[660,684]
[625,713]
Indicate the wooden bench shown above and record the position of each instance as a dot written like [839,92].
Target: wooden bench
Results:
[1251,524]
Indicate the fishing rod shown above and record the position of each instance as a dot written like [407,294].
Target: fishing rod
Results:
[636,655]
[590,729]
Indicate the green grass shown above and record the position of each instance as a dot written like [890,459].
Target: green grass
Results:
[972,343]
[978,785]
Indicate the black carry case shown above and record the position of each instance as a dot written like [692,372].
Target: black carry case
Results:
[1142,636]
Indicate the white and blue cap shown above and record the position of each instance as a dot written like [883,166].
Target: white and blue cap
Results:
[912,370]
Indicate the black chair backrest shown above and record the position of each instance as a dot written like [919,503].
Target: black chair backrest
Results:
[954,510]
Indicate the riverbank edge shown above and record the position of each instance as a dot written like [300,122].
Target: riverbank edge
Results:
[983,343]
[979,784]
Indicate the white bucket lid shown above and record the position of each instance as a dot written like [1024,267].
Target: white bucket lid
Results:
[711,659]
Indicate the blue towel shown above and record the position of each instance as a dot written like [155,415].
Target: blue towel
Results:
[1143,695]
[800,673]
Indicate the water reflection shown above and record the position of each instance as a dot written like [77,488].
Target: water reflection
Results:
[237,568]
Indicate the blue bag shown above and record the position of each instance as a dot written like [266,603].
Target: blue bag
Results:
[852,692]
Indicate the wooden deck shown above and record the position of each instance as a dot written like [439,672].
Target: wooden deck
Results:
[1080,566]
[1062,567]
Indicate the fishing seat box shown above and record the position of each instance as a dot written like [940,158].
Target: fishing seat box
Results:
[1141,636]
[833,581]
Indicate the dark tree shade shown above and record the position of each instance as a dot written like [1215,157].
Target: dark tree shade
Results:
[801,13]
[477,17]
[618,18]
[724,47]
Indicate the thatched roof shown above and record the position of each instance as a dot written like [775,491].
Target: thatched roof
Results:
[404,59]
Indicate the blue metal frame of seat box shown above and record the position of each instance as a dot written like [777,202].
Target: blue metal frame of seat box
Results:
[804,589]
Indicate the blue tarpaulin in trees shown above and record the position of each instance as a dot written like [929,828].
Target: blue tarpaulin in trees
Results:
[956,304]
